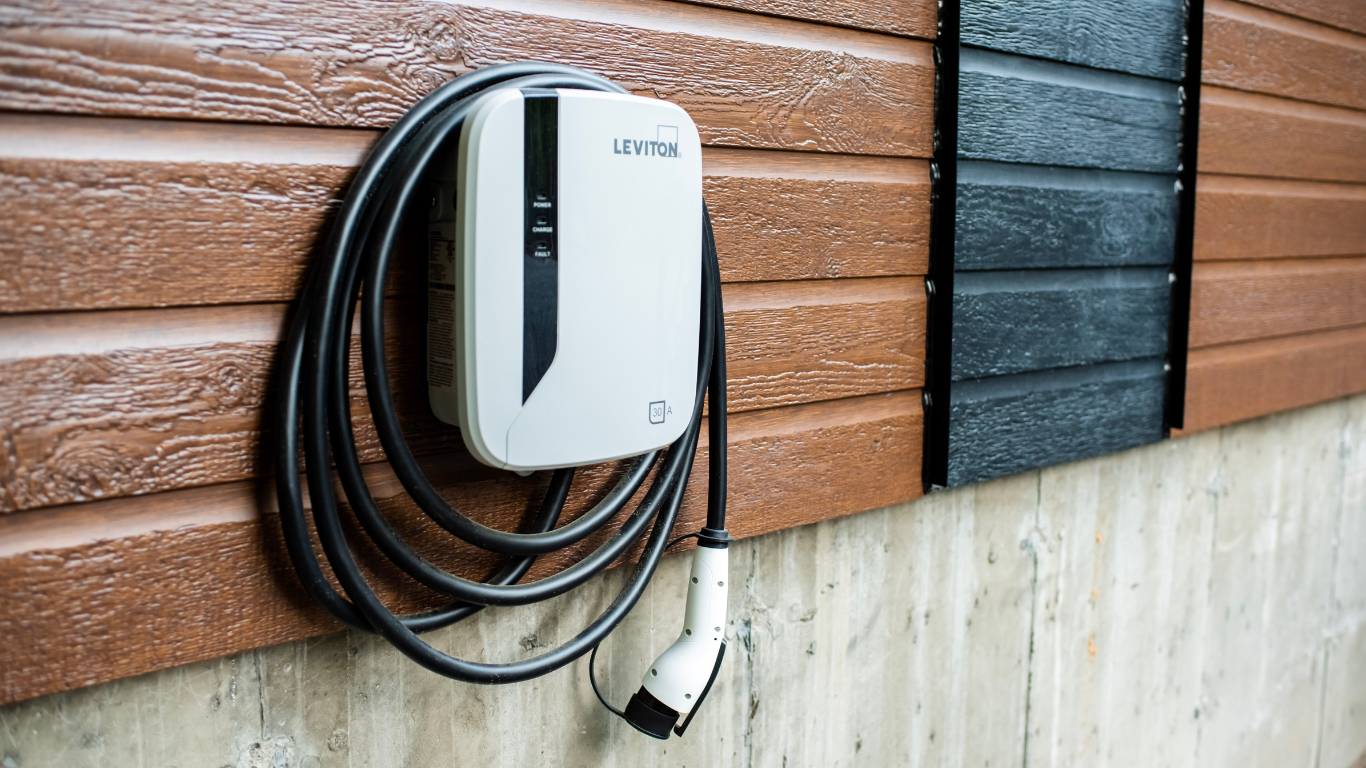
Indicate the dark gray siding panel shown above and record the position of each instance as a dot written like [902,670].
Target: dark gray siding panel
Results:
[1009,322]
[1026,111]
[1142,37]
[1016,423]
[1020,216]
[1068,129]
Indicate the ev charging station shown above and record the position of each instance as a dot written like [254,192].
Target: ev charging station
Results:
[573,318]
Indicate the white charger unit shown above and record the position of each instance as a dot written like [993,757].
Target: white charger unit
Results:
[564,281]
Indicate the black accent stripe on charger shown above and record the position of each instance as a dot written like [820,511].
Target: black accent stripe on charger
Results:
[540,252]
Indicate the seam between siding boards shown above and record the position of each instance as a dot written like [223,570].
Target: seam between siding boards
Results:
[1028,382]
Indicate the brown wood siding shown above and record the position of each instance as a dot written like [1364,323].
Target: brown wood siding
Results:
[135,584]
[1278,306]
[92,413]
[915,18]
[170,170]
[747,80]
[1344,14]
[157,212]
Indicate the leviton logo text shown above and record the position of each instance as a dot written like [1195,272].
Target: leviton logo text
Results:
[665,146]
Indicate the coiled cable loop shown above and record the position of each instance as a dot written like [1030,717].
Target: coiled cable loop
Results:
[314,411]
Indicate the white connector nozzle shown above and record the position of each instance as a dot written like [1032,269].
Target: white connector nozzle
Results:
[676,682]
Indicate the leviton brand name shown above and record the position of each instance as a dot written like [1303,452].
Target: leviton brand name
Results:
[648,148]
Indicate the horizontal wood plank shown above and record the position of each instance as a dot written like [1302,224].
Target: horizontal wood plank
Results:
[1252,49]
[1009,424]
[824,339]
[1139,38]
[115,213]
[1240,301]
[1013,216]
[1019,110]
[915,18]
[1252,134]
[135,433]
[196,574]
[746,80]
[127,402]
[809,227]
[1243,381]
[1248,218]
[1344,14]
[1029,320]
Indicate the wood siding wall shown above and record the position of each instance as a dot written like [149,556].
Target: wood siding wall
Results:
[1278,304]
[168,171]
[1069,128]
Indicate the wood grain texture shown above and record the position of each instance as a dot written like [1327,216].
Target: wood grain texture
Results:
[109,234]
[1018,110]
[828,339]
[746,80]
[1243,381]
[1037,217]
[1240,301]
[115,213]
[1256,135]
[1141,38]
[789,229]
[132,437]
[1244,218]
[1009,322]
[201,573]
[1344,14]
[914,18]
[1069,139]
[129,402]
[1252,49]
[1010,424]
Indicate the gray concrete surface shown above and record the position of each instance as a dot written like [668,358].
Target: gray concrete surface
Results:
[1200,602]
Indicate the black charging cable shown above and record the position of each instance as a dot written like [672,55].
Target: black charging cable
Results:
[315,409]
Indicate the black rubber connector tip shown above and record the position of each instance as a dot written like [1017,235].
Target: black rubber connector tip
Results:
[714,538]
[649,715]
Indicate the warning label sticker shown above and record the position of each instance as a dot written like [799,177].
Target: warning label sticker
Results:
[441,305]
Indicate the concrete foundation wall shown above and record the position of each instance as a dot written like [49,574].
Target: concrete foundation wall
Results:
[1199,602]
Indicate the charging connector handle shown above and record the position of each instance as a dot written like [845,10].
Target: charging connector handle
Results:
[679,674]
[678,682]
[683,675]
[314,413]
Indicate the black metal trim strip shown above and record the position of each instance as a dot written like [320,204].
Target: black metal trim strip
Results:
[939,281]
[1178,331]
